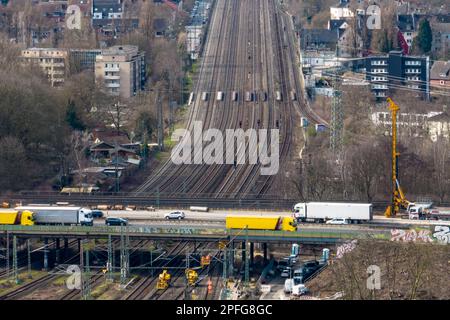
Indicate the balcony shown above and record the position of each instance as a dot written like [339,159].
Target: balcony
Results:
[112,69]
[112,77]
[112,85]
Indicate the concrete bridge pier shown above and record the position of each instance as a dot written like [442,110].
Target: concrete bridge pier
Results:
[66,247]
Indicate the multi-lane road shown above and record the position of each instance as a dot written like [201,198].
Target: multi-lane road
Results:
[217,219]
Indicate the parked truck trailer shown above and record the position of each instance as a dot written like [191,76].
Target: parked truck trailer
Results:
[48,215]
[323,211]
[15,217]
[261,223]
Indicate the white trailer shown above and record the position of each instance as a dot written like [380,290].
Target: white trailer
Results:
[48,215]
[323,211]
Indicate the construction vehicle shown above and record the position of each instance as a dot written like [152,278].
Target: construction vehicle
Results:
[15,217]
[261,223]
[205,261]
[398,200]
[163,280]
[191,276]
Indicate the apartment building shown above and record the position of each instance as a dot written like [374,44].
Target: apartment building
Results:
[121,69]
[52,61]
[398,72]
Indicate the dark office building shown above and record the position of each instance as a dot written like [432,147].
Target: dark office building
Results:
[400,72]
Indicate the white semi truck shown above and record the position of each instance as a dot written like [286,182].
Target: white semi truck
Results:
[48,215]
[323,211]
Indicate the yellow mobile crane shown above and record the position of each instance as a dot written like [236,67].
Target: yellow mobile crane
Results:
[398,197]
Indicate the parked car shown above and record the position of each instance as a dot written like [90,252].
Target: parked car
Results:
[286,273]
[175,215]
[299,290]
[116,221]
[97,214]
[338,221]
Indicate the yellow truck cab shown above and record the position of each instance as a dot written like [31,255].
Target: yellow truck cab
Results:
[14,217]
[289,224]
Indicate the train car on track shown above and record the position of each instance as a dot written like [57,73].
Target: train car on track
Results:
[234,96]
[293,96]
[205,96]
[261,223]
[249,96]
[264,96]
[219,96]
[278,96]
[14,217]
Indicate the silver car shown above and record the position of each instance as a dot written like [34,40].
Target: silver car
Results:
[177,215]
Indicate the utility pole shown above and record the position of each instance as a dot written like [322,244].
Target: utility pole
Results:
[109,264]
[247,258]
[87,289]
[337,115]
[7,253]
[160,121]
[116,148]
[29,258]
[15,267]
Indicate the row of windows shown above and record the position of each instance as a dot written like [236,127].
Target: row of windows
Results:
[412,71]
[379,71]
[379,63]
[413,63]
[379,78]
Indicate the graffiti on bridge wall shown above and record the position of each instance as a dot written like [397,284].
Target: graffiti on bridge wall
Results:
[441,234]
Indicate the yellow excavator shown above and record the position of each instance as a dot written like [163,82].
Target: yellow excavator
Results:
[163,280]
[398,200]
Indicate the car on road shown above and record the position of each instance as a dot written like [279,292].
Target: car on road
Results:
[97,214]
[286,273]
[116,221]
[178,215]
[337,221]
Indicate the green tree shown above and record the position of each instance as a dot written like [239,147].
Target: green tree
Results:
[424,37]
[72,117]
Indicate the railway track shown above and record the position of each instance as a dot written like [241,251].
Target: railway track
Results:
[99,277]
[236,60]
[146,284]
[35,284]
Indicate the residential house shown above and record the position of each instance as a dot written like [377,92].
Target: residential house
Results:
[318,39]
[440,27]
[53,62]
[439,126]
[440,75]
[122,70]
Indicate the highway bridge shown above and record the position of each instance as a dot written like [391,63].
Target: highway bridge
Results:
[307,235]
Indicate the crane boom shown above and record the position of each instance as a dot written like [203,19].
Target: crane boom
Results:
[398,197]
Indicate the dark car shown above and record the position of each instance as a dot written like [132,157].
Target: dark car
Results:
[97,214]
[116,221]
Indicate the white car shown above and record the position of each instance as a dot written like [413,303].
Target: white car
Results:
[337,221]
[178,215]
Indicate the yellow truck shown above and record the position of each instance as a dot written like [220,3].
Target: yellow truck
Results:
[14,217]
[261,223]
